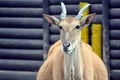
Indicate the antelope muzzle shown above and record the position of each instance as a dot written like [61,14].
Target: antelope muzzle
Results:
[66,46]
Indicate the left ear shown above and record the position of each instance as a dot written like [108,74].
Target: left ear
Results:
[51,19]
[87,20]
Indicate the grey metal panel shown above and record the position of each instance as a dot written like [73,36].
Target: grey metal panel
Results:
[57,2]
[21,12]
[96,8]
[21,33]
[54,30]
[17,75]
[54,38]
[21,22]
[115,54]
[115,64]
[46,44]
[97,19]
[21,39]
[114,27]
[21,3]
[115,44]
[114,3]
[21,44]
[20,65]
[54,2]
[21,54]
[56,9]
[115,75]
[114,23]
[114,34]
[115,13]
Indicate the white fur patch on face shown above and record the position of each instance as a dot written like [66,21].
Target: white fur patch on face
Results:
[74,44]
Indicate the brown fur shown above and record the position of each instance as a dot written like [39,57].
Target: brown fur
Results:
[52,69]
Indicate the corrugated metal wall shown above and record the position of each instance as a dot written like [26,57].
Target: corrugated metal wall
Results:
[21,39]
[114,39]
[22,35]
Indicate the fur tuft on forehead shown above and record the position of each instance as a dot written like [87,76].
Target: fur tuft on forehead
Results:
[69,19]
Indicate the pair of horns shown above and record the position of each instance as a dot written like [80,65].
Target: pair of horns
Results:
[80,13]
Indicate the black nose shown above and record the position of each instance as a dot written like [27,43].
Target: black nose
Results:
[66,44]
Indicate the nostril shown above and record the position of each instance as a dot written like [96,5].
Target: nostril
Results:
[66,44]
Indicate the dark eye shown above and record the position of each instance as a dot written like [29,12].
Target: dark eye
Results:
[60,27]
[77,27]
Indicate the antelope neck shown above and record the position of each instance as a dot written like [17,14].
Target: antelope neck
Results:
[72,64]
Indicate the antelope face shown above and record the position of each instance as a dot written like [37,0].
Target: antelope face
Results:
[69,27]
[69,33]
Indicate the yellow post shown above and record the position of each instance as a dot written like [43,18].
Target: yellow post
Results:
[85,31]
[96,33]
[96,39]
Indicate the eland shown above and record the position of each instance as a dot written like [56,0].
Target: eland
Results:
[70,58]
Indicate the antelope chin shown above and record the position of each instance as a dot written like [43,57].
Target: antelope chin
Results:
[67,52]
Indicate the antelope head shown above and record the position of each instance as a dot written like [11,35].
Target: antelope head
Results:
[70,27]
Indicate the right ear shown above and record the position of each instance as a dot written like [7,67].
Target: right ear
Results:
[87,20]
[51,19]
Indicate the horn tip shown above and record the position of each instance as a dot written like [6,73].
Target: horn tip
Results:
[89,4]
[62,3]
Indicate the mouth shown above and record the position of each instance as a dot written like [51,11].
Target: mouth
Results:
[66,50]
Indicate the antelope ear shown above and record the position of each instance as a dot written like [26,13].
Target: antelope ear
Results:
[87,20]
[51,19]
